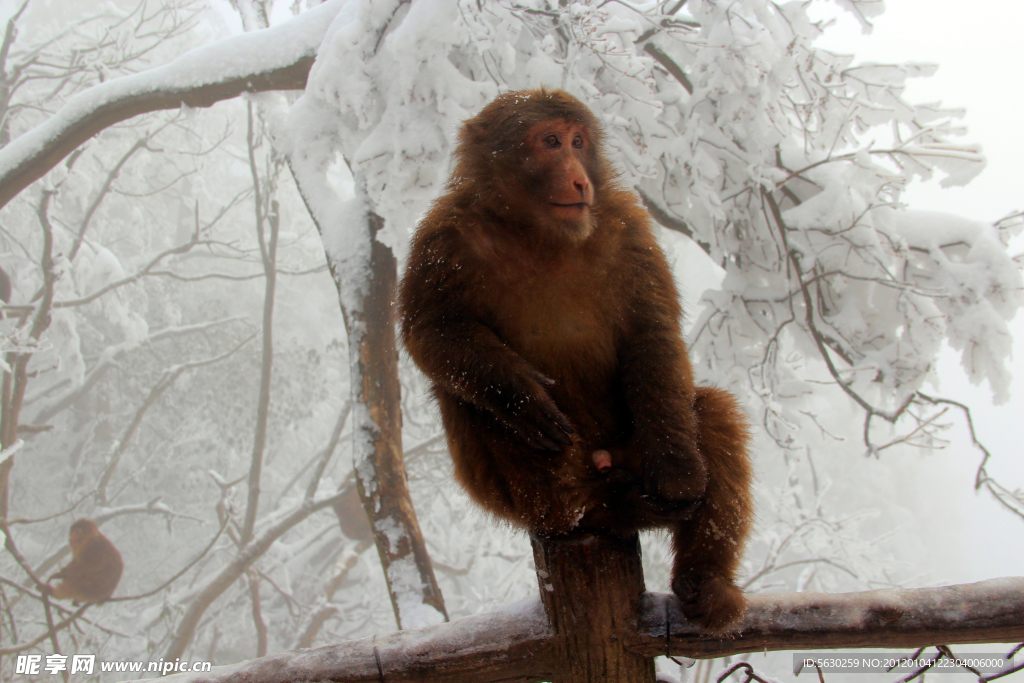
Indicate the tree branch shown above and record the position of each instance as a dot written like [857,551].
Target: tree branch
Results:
[233,570]
[659,56]
[167,379]
[277,58]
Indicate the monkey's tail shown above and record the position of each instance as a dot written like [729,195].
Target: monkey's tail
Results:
[709,547]
[723,429]
[728,512]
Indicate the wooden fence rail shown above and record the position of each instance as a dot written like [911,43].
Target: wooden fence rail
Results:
[594,622]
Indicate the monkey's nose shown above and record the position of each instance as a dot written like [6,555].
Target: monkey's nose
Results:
[583,188]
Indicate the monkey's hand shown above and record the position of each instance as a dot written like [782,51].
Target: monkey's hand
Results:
[522,404]
[630,507]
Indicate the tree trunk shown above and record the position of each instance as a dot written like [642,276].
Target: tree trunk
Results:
[591,588]
[380,474]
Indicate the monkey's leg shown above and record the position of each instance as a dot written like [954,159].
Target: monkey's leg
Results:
[709,547]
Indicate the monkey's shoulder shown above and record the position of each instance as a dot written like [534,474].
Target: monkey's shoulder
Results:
[436,254]
[462,246]
[625,225]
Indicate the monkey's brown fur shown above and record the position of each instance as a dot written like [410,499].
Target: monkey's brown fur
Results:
[95,568]
[539,303]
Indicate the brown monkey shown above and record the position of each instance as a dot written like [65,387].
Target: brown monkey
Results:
[539,303]
[94,570]
[352,516]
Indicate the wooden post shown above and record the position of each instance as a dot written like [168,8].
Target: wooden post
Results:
[591,587]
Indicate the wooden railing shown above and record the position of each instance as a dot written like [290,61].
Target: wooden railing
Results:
[595,623]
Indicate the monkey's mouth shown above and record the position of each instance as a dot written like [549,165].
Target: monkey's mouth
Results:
[579,206]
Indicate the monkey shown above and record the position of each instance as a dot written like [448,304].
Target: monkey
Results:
[539,304]
[94,570]
[352,517]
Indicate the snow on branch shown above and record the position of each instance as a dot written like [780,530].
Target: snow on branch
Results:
[516,643]
[277,58]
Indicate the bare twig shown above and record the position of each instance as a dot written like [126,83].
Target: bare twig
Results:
[165,382]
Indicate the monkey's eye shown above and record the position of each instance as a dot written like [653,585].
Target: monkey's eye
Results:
[577,141]
[551,141]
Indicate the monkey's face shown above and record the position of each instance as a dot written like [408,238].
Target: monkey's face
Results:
[77,537]
[555,172]
[80,532]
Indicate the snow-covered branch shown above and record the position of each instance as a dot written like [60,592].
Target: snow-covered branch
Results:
[277,58]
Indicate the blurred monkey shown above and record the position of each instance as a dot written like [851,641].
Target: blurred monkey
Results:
[94,570]
[352,517]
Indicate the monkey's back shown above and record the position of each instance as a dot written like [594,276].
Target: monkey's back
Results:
[94,574]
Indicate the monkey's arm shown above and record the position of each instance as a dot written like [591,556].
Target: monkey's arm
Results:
[66,575]
[454,346]
[657,381]
[70,569]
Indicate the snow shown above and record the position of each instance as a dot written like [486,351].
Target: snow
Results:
[408,589]
[528,615]
[391,531]
[983,285]
[231,58]
[96,268]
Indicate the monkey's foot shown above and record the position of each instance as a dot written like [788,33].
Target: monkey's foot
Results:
[712,601]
